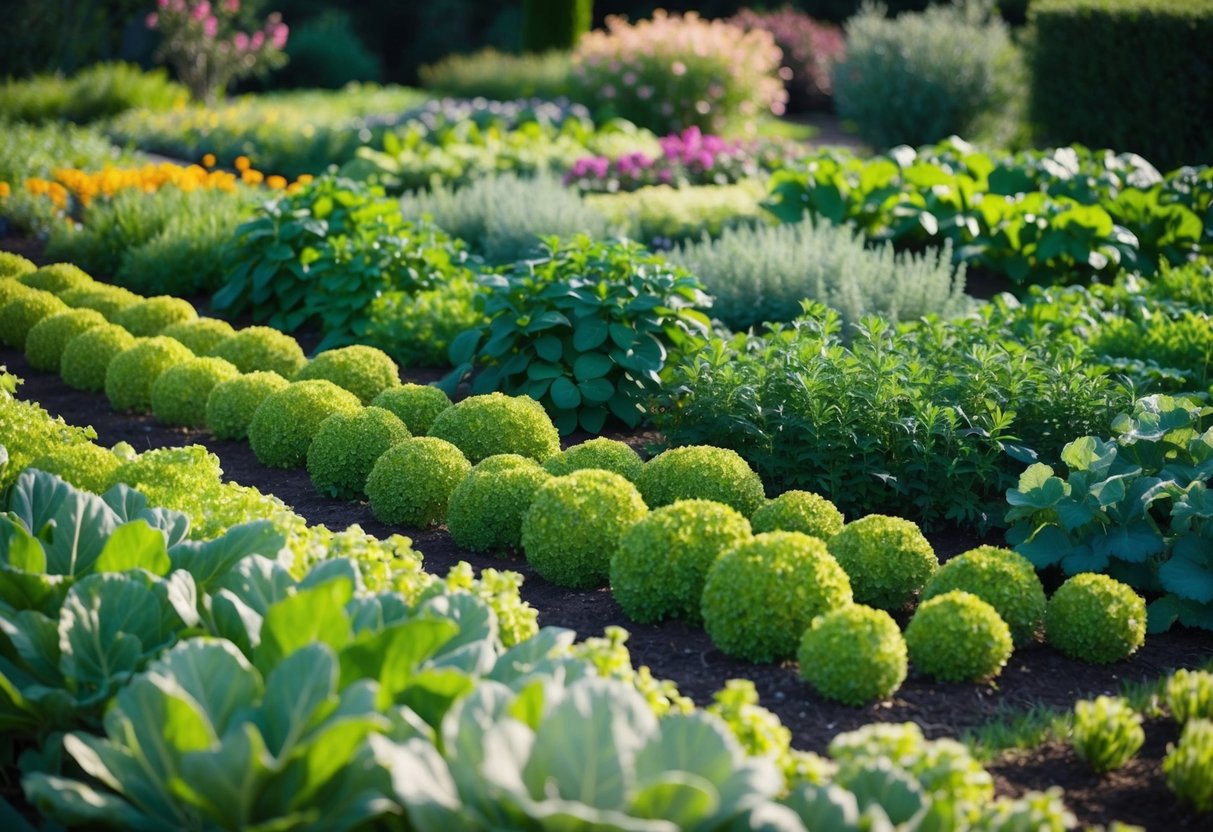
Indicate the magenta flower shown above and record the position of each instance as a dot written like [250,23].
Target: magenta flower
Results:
[210,27]
[240,42]
[151,20]
[202,11]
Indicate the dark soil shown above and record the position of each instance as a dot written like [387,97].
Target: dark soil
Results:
[1036,676]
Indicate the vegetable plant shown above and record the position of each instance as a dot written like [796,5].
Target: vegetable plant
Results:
[1106,733]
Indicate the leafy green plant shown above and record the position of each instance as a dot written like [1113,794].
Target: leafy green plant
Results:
[958,637]
[499,76]
[202,335]
[491,423]
[418,328]
[232,403]
[47,339]
[151,316]
[29,432]
[287,420]
[662,561]
[1095,618]
[659,215]
[86,358]
[417,405]
[14,265]
[1189,695]
[96,92]
[129,378]
[412,481]
[575,523]
[600,452]
[1135,505]
[262,349]
[180,393]
[760,596]
[106,299]
[486,509]
[1004,580]
[57,278]
[346,447]
[20,314]
[83,465]
[586,331]
[799,511]
[854,655]
[1189,765]
[1106,732]
[701,472]
[887,559]
[364,371]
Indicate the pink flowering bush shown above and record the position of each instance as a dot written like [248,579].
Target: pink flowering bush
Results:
[208,46]
[678,71]
[810,50]
[687,158]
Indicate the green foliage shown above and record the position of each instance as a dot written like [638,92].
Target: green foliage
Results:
[762,595]
[486,509]
[132,373]
[412,482]
[14,265]
[798,511]
[575,523]
[503,218]
[57,278]
[84,465]
[325,253]
[417,329]
[659,215]
[887,559]
[30,433]
[11,290]
[87,357]
[922,77]
[20,314]
[1106,733]
[662,561]
[921,421]
[701,472]
[489,424]
[231,404]
[325,52]
[499,76]
[47,339]
[153,315]
[1004,580]
[1136,506]
[586,331]
[1096,619]
[763,273]
[1189,695]
[957,637]
[346,447]
[758,730]
[202,335]
[364,371]
[1077,70]
[417,405]
[108,300]
[285,423]
[96,92]
[1065,215]
[262,348]
[1189,765]
[554,24]
[600,452]
[854,654]
[180,394]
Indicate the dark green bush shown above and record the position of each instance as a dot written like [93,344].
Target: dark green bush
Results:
[1131,74]
[554,24]
[325,52]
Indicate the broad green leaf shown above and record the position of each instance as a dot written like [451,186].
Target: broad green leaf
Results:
[209,560]
[880,783]
[134,545]
[591,365]
[394,655]
[422,783]
[73,803]
[565,394]
[1189,571]
[589,334]
[226,782]
[19,549]
[1038,488]
[217,676]
[679,797]
[295,691]
[1046,547]
[313,615]
[1135,543]
[549,348]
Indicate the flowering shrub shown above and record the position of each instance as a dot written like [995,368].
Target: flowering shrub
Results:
[810,49]
[208,47]
[677,71]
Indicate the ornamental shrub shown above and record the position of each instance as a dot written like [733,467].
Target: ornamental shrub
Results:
[232,403]
[412,482]
[662,561]
[1106,732]
[364,371]
[285,423]
[1189,765]
[180,394]
[810,49]
[887,559]
[87,466]
[677,71]
[87,357]
[601,453]
[201,335]
[1004,580]
[130,376]
[256,348]
[1189,695]
[957,637]
[58,278]
[762,595]
[1095,618]
[799,511]
[106,299]
[153,315]
[490,424]
[921,77]
[854,654]
[346,447]
[574,525]
[14,265]
[19,315]
[486,509]
[417,405]
[48,338]
[704,473]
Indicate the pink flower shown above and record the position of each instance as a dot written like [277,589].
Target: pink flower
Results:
[240,41]
[257,41]
[210,27]
[202,11]
[151,20]
[162,4]
[231,6]
[278,35]
[679,68]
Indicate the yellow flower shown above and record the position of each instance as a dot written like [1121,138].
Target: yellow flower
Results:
[252,177]
[5,190]
[305,179]
[208,161]
[276,182]
[242,163]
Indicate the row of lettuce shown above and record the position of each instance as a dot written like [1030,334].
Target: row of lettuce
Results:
[153,676]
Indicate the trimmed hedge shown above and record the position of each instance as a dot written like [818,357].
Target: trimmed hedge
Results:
[1133,75]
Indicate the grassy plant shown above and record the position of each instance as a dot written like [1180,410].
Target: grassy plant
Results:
[1106,733]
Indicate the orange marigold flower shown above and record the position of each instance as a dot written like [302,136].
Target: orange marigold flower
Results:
[305,179]
[276,182]
[252,177]
[242,163]
[208,161]
[5,189]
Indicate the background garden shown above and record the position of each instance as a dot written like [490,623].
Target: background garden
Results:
[801,417]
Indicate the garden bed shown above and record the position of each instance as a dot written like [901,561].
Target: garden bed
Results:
[1035,676]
